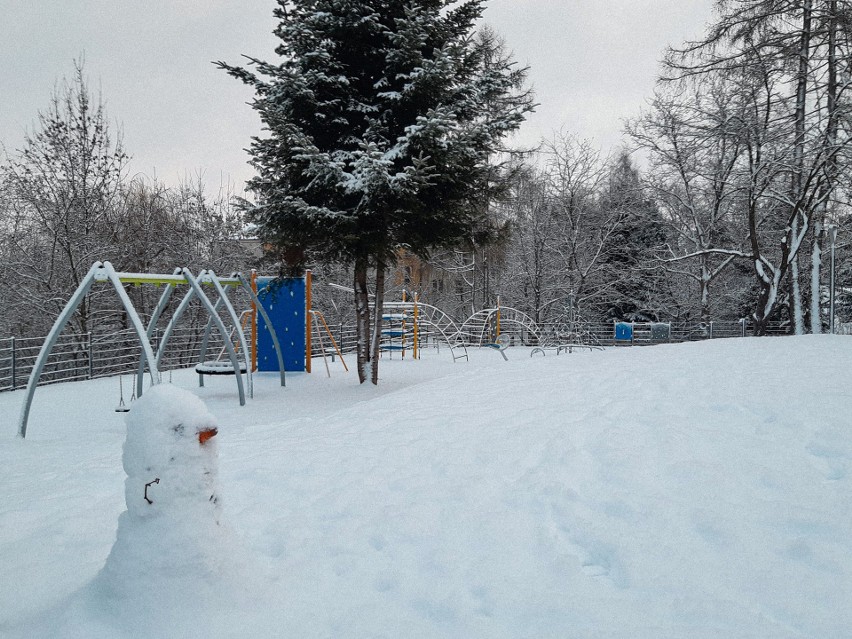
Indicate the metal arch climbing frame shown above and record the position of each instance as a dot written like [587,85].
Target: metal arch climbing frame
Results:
[476,326]
[100,271]
[510,315]
[433,316]
[473,329]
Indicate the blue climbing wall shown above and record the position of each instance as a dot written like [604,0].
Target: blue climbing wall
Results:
[284,301]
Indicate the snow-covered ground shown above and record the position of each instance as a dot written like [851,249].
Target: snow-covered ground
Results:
[695,490]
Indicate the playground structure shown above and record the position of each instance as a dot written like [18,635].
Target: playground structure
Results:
[284,304]
[317,324]
[426,321]
[413,323]
[569,333]
[282,343]
[104,272]
[494,326]
[79,356]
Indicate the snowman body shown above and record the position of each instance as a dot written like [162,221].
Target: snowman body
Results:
[172,527]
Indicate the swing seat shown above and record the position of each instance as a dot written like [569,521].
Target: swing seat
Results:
[122,407]
[218,367]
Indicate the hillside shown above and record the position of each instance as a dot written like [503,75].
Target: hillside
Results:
[692,490]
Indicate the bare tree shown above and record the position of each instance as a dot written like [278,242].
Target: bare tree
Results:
[64,187]
[531,273]
[66,202]
[783,54]
[693,154]
[586,230]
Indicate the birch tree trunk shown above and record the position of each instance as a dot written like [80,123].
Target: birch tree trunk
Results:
[796,182]
[705,290]
[816,267]
[830,169]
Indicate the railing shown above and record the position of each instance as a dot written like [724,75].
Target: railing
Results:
[344,335]
[89,356]
[86,356]
[602,333]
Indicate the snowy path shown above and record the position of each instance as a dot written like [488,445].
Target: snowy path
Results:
[697,490]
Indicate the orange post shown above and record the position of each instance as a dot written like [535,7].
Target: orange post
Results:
[333,343]
[308,320]
[253,321]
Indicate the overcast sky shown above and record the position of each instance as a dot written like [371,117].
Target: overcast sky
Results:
[592,64]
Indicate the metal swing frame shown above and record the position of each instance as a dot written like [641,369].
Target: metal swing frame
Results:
[104,272]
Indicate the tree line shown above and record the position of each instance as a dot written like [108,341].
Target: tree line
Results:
[66,201]
[745,155]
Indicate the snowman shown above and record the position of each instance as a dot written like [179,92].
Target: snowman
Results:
[171,532]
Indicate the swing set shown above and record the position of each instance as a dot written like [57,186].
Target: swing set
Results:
[104,272]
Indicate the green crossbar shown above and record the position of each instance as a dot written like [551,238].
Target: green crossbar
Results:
[156,278]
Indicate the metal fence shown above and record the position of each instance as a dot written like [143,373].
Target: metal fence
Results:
[89,356]
[602,333]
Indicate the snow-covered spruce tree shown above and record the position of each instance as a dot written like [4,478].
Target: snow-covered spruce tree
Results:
[381,120]
[634,283]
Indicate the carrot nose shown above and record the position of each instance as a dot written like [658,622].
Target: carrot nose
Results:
[207,433]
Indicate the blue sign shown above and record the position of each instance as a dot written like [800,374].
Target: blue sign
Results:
[624,332]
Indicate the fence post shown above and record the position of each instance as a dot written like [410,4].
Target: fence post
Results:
[91,350]
[743,324]
[711,329]
[14,366]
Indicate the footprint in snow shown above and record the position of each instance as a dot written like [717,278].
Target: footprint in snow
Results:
[596,558]
[830,462]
